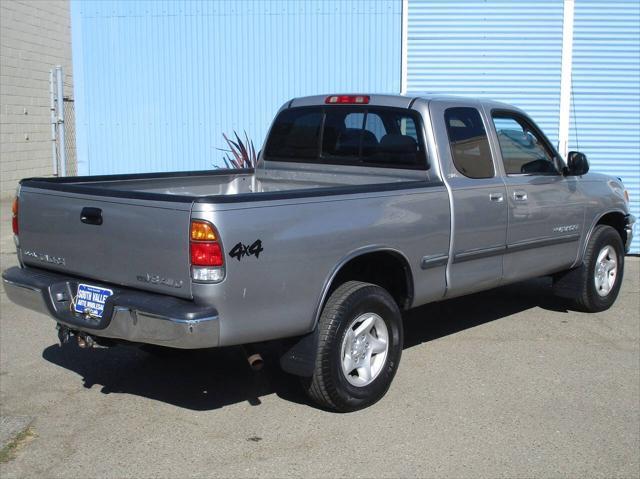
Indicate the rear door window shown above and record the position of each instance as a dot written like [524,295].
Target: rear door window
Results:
[468,141]
[350,135]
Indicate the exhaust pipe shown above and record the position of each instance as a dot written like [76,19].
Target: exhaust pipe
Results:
[256,362]
[254,358]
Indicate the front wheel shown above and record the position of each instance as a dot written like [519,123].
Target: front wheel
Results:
[595,285]
[359,347]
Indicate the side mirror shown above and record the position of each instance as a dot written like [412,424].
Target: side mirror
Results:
[577,164]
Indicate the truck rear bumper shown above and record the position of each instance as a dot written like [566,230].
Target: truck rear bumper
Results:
[129,314]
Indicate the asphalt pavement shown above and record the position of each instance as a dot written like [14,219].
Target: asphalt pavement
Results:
[507,383]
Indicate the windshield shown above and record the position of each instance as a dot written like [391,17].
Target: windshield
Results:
[348,135]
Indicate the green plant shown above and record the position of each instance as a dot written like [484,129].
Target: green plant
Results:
[241,154]
[9,451]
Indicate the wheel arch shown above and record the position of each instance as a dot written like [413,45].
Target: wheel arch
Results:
[372,265]
[614,218]
[299,355]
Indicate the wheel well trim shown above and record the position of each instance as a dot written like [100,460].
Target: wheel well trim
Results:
[353,255]
[595,223]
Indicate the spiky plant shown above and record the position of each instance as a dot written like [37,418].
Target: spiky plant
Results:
[241,154]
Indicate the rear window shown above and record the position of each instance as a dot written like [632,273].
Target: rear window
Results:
[348,135]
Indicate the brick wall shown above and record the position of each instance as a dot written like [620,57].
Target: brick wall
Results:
[35,35]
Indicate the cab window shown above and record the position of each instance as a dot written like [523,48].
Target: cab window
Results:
[468,142]
[524,150]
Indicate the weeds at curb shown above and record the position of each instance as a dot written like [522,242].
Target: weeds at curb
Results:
[9,451]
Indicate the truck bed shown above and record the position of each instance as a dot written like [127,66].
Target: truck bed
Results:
[246,184]
[209,185]
[139,236]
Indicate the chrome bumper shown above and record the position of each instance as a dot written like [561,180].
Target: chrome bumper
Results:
[628,228]
[129,314]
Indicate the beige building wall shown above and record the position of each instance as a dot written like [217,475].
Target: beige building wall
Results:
[35,35]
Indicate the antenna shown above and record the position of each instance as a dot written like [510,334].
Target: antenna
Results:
[575,118]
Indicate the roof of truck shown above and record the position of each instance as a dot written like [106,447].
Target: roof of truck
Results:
[398,101]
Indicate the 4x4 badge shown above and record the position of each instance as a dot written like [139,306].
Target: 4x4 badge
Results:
[240,250]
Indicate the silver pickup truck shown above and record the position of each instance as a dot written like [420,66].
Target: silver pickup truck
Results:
[360,207]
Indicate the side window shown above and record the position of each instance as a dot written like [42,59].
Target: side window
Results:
[390,139]
[468,142]
[354,120]
[374,131]
[408,127]
[375,126]
[523,150]
[341,136]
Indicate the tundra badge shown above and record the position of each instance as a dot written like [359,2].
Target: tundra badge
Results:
[45,258]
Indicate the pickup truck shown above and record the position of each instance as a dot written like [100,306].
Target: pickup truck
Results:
[359,208]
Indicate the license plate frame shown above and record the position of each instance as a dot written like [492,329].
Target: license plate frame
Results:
[90,299]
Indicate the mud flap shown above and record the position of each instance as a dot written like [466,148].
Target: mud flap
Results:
[567,284]
[300,356]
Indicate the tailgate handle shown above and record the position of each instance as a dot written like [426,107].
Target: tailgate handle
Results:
[91,216]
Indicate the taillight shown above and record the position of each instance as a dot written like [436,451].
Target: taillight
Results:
[347,99]
[202,231]
[206,254]
[14,216]
[207,258]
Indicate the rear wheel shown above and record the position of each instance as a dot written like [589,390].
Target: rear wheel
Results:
[360,345]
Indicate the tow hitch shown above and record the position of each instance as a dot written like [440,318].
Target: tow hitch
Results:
[84,340]
[64,334]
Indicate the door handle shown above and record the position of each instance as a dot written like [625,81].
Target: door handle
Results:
[91,216]
[520,195]
[496,197]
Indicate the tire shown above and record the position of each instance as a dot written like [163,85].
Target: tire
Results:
[373,353]
[594,286]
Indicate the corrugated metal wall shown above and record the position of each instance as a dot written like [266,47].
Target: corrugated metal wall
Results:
[512,51]
[504,50]
[157,83]
[606,91]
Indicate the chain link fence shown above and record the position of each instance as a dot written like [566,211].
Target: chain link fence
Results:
[63,126]
[70,138]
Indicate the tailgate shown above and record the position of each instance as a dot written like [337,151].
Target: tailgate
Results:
[138,244]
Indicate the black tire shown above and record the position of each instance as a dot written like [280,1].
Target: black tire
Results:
[329,387]
[579,285]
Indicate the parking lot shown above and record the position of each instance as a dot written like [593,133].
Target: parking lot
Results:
[505,383]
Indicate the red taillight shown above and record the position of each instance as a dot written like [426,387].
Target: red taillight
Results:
[204,245]
[347,99]
[206,254]
[14,216]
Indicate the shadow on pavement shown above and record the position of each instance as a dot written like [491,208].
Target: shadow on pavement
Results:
[198,380]
[210,379]
[436,320]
